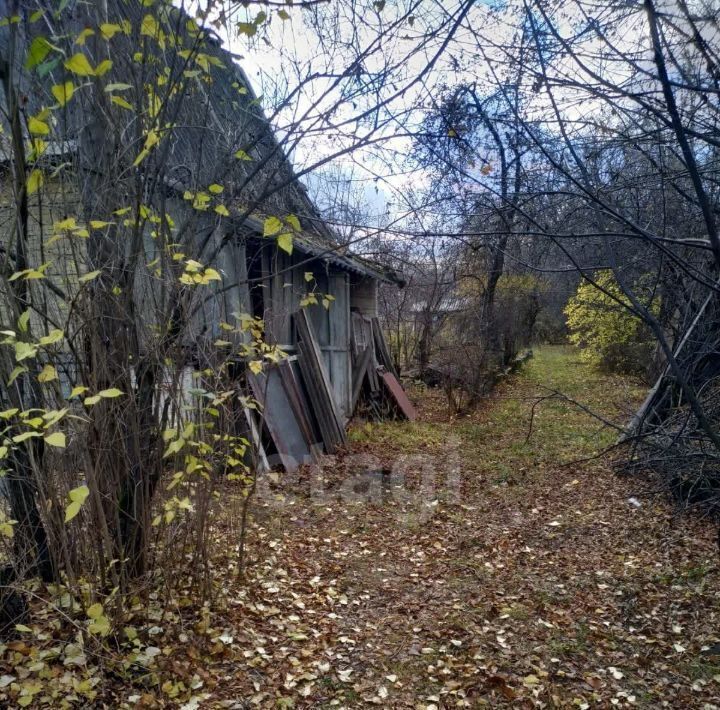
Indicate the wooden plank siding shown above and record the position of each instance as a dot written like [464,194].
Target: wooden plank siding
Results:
[283,288]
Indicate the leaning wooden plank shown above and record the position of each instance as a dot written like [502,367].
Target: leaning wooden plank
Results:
[256,441]
[383,354]
[320,406]
[359,375]
[373,379]
[398,394]
[317,392]
[297,401]
[279,418]
[316,364]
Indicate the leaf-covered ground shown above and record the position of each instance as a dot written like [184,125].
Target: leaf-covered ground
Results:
[537,582]
[438,564]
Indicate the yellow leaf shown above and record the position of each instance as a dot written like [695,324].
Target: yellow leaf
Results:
[95,611]
[25,436]
[120,101]
[77,497]
[215,189]
[17,371]
[63,92]
[87,32]
[71,511]
[149,26]
[222,211]
[242,155]
[67,223]
[38,127]
[271,226]
[79,494]
[100,626]
[89,401]
[77,390]
[35,181]
[255,366]
[118,87]
[54,336]
[211,275]
[89,276]
[48,374]
[285,242]
[78,64]
[103,68]
[99,224]
[141,156]
[174,447]
[57,438]
[108,30]
[24,350]
[110,393]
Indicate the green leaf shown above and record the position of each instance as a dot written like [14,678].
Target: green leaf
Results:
[242,155]
[39,49]
[23,321]
[17,371]
[57,438]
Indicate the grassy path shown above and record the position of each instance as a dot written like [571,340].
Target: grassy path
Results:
[498,573]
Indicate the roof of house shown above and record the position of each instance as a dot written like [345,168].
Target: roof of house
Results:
[222,115]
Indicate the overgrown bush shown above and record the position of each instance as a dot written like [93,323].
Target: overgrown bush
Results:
[605,330]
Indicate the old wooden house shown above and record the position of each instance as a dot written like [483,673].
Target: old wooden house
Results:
[317,299]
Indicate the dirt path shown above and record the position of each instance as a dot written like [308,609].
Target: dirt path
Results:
[495,572]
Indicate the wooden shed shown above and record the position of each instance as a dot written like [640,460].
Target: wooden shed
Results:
[96,172]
